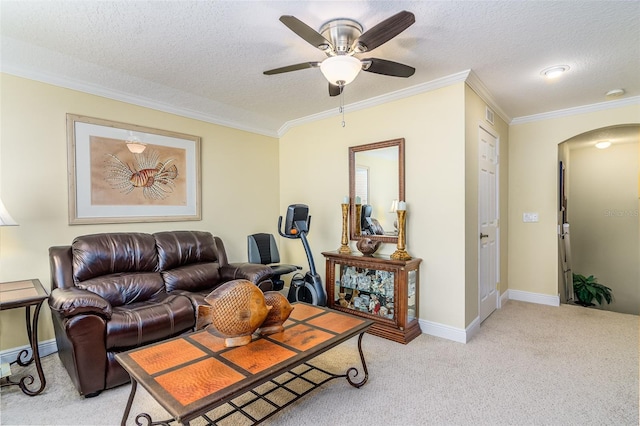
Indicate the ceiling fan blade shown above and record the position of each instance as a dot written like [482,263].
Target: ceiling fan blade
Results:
[384,67]
[290,68]
[384,31]
[307,33]
[335,90]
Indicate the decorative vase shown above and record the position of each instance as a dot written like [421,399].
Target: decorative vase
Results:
[238,308]
[278,314]
[367,246]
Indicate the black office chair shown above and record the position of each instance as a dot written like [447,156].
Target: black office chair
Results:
[262,249]
[369,225]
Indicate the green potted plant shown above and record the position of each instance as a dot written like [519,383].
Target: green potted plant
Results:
[587,290]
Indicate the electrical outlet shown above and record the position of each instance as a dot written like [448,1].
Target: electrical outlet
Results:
[530,217]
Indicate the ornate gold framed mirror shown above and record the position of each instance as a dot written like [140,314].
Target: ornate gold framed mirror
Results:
[376,179]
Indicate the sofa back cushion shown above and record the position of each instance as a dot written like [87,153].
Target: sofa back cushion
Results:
[120,267]
[188,260]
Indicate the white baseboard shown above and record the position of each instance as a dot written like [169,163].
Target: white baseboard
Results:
[472,329]
[44,348]
[504,298]
[525,296]
[464,335]
[450,333]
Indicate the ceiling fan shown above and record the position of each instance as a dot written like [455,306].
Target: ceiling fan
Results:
[341,39]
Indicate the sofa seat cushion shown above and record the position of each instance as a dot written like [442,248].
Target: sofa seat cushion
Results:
[199,277]
[144,322]
[197,297]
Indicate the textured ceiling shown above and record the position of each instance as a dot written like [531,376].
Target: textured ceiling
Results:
[205,59]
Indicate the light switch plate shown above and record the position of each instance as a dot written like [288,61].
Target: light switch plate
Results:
[530,217]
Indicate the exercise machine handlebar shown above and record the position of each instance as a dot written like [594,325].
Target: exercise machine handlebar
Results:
[300,229]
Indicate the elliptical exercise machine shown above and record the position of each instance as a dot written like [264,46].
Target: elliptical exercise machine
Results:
[309,288]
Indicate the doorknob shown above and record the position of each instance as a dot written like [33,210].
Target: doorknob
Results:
[484,235]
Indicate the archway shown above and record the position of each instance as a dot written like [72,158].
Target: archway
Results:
[598,199]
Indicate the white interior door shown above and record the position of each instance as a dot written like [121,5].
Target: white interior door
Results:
[488,217]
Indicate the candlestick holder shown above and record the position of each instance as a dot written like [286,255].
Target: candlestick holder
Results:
[357,219]
[344,247]
[401,253]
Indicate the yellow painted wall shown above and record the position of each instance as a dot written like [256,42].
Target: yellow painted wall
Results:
[239,183]
[475,109]
[243,192]
[314,159]
[533,187]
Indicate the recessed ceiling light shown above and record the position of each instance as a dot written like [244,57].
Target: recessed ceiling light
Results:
[615,93]
[554,71]
[603,144]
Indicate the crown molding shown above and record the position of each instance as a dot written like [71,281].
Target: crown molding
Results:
[467,76]
[94,89]
[481,90]
[379,100]
[601,106]
[57,80]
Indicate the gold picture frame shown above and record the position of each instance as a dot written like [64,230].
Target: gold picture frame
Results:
[110,183]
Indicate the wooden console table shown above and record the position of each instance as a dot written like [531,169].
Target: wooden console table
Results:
[377,288]
[25,294]
[192,375]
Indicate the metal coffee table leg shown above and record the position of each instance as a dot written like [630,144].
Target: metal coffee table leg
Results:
[354,371]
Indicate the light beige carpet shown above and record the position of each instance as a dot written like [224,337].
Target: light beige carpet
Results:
[529,365]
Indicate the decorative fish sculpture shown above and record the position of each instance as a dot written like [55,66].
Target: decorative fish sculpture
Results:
[237,309]
[278,314]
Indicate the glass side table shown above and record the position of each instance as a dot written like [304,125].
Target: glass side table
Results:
[25,294]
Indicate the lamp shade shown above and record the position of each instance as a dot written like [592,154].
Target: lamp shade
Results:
[340,70]
[5,217]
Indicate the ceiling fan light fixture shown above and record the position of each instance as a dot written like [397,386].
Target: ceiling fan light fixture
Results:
[340,70]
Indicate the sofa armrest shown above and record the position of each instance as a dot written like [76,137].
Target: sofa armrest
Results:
[253,272]
[68,302]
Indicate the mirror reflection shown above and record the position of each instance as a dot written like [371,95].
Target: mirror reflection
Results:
[376,183]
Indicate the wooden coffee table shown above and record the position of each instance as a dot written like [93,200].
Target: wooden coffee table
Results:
[192,375]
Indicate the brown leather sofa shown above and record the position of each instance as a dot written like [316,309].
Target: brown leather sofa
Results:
[112,292]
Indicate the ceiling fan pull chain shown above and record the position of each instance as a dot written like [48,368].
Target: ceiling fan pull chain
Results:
[342,105]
